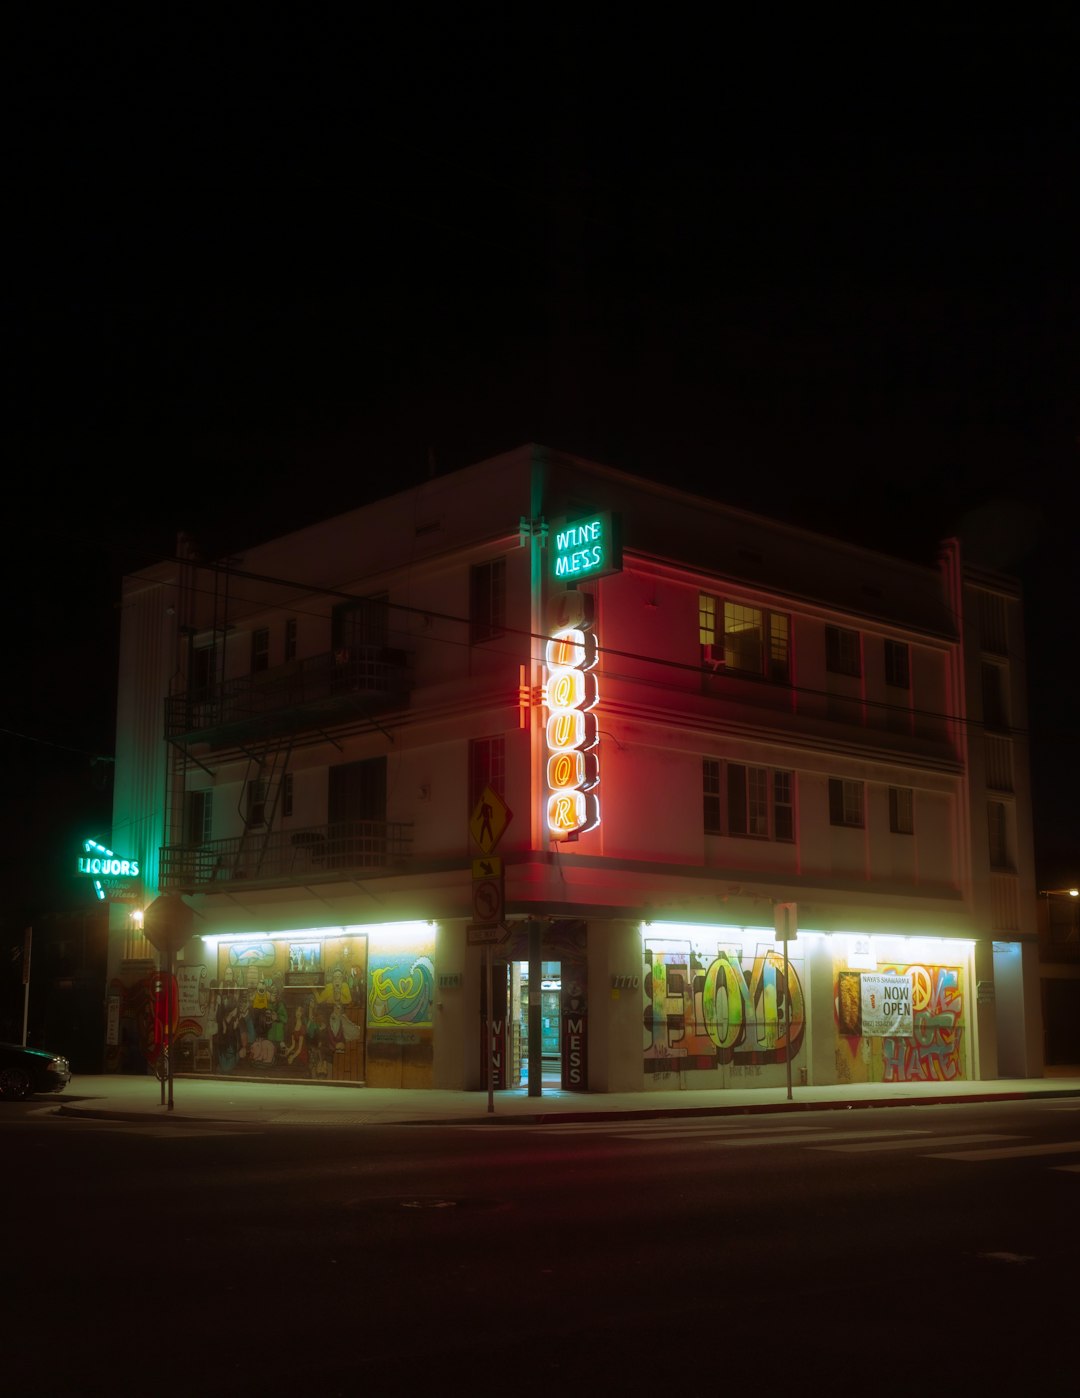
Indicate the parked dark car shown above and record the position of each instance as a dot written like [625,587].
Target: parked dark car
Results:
[27,1070]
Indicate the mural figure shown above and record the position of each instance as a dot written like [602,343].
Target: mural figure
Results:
[277,1017]
[296,1050]
[227,1036]
[336,991]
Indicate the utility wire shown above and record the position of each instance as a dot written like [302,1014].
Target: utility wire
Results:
[771,687]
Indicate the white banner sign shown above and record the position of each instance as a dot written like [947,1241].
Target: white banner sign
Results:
[193,991]
[886,1004]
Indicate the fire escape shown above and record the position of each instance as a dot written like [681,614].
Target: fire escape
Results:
[261,718]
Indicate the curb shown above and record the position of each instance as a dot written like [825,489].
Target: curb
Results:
[160,1113]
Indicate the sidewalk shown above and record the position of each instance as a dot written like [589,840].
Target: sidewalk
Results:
[125,1098]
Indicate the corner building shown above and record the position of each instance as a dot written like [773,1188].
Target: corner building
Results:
[706,800]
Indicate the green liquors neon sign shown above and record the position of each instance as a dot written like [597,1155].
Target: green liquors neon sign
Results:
[113,875]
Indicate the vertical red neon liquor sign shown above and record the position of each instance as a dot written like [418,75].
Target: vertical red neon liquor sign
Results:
[573,769]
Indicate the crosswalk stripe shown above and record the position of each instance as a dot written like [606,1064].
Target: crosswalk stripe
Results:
[1013,1152]
[925,1144]
[726,1136]
[780,1138]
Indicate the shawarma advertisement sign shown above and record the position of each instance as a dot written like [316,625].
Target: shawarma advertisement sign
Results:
[886,1003]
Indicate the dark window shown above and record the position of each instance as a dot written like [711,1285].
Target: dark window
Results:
[286,794]
[357,791]
[362,622]
[783,806]
[995,711]
[710,782]
[897,664]
[198,817]
[260,649]
[203,672]
[998,831]
[736,799]
[845,802]
[993,623]
[1063,914]
[487,600]
[842,651]
[487,767]
[290,639]
[756,801]
[256,801]
[356,814]
[901,810]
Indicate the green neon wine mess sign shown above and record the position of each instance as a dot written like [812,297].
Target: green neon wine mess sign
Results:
[586,548]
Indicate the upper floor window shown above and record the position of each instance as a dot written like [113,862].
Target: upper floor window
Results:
[995,708]
[898,664]
[901,810]
[198,817]
[356,792]
[487,600]
[843,652]
[743,800]
[290,639]
[287,794]
[487,767]
[256,801]
[744,640]
[997,819]
[260,649]
[846,803]
[203,671]
[993,623]
[1063,917]
[362,622]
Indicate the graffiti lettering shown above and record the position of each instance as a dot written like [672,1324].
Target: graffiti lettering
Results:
[932,1053]
[721,1013]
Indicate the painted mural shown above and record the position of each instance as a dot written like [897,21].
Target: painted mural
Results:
[935,1050]
[713,1003]
[401,991]
[278,1009]
[400,1030]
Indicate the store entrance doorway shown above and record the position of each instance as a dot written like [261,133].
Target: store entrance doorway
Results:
[550,992]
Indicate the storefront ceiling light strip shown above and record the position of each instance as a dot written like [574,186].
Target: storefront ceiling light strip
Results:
[917,946]
[299,934]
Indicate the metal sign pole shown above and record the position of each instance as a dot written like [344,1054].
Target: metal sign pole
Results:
[168,926]
[168,1026]
[489,1058]
[28,941]
[787,1020]
[786,922]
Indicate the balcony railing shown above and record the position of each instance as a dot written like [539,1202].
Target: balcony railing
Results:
[317,689]
[316,853]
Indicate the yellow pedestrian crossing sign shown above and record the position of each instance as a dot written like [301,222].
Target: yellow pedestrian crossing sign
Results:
[489,819]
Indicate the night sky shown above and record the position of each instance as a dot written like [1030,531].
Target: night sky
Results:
[262,272]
